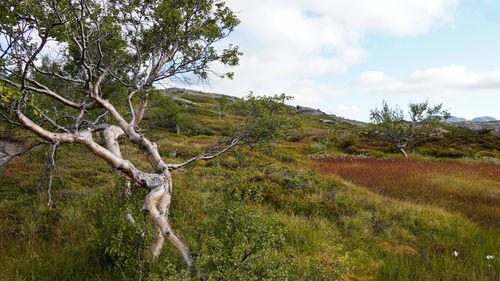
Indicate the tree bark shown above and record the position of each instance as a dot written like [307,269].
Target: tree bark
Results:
[403,151]
[157,203]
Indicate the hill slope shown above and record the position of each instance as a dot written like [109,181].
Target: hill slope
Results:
[330,202]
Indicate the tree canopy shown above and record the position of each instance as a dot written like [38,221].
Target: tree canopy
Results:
[394,126]
[111,48]
[70,68]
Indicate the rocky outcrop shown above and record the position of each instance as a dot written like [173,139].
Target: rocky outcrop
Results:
[308,111]
[8,150]
[182,101]
[327,118]
[493,127]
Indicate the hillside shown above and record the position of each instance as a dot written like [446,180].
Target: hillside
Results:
[477,119]
[328,202]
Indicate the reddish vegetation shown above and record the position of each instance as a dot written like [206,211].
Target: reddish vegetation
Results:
[471,189]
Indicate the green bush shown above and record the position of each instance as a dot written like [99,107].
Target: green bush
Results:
[110,231]
[192,131]
[298,136]
[165,112]
[296,179]
[347,140]
[240,243]
[316,147]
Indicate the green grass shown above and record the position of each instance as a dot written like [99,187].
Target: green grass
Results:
[252,216]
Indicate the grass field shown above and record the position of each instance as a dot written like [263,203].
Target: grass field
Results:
[254,216]
[471,189]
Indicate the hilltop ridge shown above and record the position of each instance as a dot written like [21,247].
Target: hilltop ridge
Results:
[476,119]
[478,124]
[304,110]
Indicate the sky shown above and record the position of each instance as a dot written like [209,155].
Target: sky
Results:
[345,57]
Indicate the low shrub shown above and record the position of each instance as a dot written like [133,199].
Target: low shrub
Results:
[296,137]
[240,243]
[114,236]
[316,147]
[347,140]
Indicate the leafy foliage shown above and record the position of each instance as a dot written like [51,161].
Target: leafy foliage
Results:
[393,125]
[234,249]
[266,118]
[114,236]
[118,46]
[315,226]
[166,112]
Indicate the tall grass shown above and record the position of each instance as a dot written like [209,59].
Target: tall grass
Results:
[471,189]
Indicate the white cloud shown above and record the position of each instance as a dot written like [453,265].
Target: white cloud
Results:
[289,44]
[442,80]
[344,110]
[373,77]
[396,17]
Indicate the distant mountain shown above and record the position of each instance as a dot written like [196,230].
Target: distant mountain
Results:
[456,119]
[453,119]
[483,119]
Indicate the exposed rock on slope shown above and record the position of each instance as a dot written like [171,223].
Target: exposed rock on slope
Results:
[328,118]
[492,126]
[8,150]
[308,111]
[182,101]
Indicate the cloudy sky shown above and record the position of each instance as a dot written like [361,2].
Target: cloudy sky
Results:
[345,57]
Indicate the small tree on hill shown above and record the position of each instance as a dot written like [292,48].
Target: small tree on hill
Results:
[221,105]
[393,126]
[70,69]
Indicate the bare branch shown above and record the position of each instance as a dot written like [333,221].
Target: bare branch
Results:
[55,74]
[12,122]
[144,144]
[98,54]
[120,80]
[102,115]
[130,106]
[51,166]
[211,153]
[140,113]
[42,89]
[53,123]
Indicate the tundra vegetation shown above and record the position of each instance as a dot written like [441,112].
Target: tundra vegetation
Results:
[326,202]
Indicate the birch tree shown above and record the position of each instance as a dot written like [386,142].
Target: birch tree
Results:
[71,68]
[394,127]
